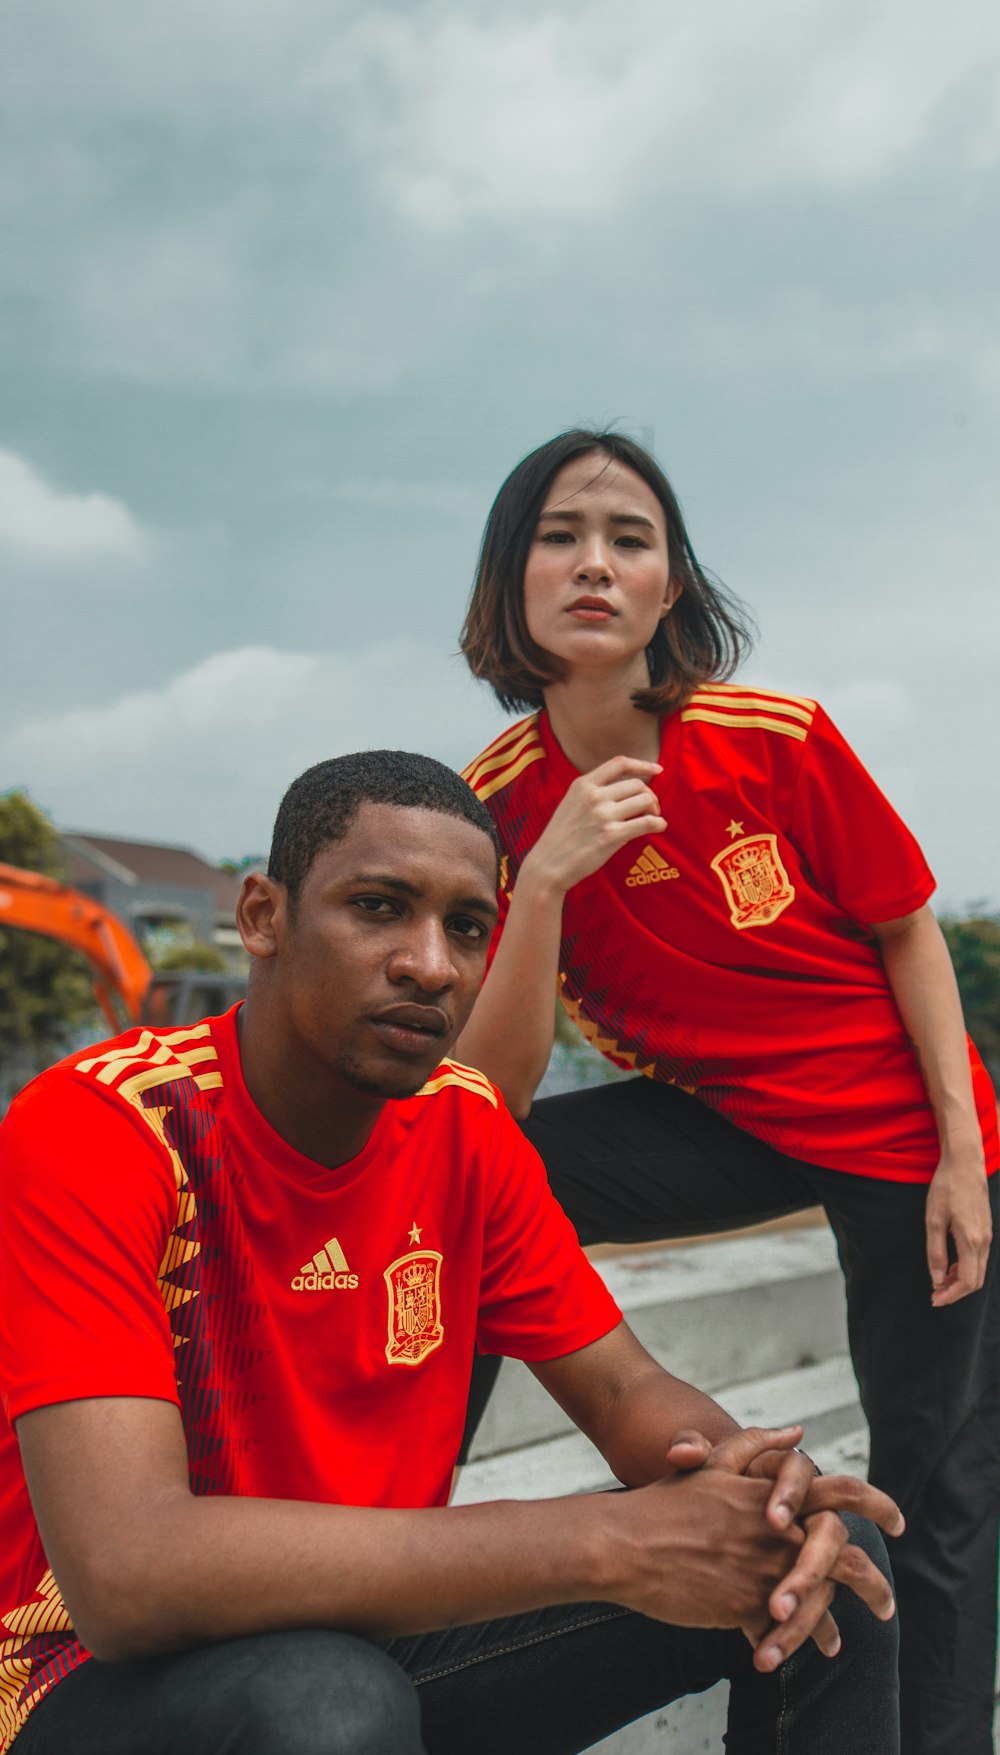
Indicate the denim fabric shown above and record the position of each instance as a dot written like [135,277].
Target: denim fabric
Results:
[638,1161]
[548,1683]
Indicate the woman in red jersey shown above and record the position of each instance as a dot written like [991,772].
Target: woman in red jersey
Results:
[728,905]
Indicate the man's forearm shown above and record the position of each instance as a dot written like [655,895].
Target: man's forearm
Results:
[641,1430]
[213,1568]
[146,1567]
[641,1408]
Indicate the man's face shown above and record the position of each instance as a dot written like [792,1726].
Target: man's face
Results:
[382,958]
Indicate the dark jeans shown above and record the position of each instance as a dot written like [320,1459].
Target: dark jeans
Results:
[637,1161]
[549,1683]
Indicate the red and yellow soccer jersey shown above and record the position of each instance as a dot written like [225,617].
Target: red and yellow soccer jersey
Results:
[731,954]
[315,1326]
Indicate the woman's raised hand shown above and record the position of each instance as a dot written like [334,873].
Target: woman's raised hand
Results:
[600,812]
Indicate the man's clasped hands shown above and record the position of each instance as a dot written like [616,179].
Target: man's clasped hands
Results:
[773,1575]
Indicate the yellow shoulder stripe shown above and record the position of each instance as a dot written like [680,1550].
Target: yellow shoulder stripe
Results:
[772,696]
[132,1088]
[496,767]
[157,1060]
[759,703]
[190,1033]
[451,1072]
[502,742]
[487,788]
[492,760]
[737,722]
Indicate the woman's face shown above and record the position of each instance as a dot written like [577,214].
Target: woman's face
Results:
[597,579]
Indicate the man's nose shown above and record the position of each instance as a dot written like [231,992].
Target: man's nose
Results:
[424,958]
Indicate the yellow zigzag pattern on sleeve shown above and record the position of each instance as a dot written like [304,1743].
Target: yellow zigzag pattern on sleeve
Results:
[152,1061]
[606,1045]
[45,1613]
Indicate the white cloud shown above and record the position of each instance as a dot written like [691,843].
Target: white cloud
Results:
[567,114]
[44,522]
[215,195]
[205,759]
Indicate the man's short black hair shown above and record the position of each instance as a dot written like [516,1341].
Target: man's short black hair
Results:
[321,804]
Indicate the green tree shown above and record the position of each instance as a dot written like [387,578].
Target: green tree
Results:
[975,952]
[45,989]
[188,952]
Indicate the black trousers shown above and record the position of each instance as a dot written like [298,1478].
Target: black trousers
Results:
[548,1683]
[637,1161]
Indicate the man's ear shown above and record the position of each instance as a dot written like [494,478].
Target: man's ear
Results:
[261,913]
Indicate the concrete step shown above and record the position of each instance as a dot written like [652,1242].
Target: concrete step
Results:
[738,1310]
[822,1397]
[759,1322]
[819,1395]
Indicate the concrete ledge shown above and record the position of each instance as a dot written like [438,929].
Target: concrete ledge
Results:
[714,1313]
[822,1397]
[759,1322]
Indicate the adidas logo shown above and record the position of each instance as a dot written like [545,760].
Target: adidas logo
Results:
[651,868]
[327,1272]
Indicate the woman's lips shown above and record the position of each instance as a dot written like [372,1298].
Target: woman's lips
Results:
[591,609]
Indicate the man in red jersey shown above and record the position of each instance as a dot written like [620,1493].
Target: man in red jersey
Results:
[243,1268]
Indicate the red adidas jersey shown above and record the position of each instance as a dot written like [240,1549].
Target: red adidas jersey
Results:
[315,1326]
[731,954]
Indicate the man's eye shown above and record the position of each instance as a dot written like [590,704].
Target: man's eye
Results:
[374,904]
[467,927]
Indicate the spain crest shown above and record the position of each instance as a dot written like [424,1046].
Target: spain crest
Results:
[415,1326]
[755,881]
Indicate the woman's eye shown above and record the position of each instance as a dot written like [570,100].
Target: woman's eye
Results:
[630,542]
[556,536]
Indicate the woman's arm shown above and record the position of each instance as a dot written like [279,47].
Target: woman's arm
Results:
[922,979]
[509,1035]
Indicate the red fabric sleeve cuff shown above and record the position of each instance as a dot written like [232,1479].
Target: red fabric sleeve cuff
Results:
[86,1387]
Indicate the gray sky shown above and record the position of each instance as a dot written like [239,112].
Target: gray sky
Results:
[289,287]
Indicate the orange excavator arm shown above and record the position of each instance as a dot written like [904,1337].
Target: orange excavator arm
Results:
[120,972]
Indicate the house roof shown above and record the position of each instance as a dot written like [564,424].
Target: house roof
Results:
[149,862]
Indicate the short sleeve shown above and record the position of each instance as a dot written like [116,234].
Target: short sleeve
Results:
[540,1297]
[87,1204]
[857,848]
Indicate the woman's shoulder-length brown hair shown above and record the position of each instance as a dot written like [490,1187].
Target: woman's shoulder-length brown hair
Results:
[702,639]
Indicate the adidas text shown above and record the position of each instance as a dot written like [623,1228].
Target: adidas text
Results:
[314,1282]
[636,876]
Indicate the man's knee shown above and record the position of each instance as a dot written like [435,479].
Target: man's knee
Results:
[859,1628]
[318,1693]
